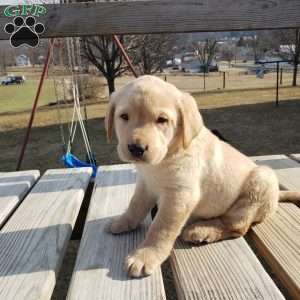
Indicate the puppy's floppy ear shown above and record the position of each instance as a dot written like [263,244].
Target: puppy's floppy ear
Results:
[191,120]
[109,118]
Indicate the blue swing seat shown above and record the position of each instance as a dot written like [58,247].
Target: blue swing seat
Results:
[71,161]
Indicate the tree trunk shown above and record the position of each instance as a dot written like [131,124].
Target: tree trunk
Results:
[111,84]
[296,57]
[146,66]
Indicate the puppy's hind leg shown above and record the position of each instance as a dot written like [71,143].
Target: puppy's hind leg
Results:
[258,200]
[205,231]
[234,223]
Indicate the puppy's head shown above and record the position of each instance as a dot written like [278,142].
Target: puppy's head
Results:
[151,118]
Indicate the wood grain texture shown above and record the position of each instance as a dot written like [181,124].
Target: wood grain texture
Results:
[137,17]
[223,270]
[33,241]
[277,239]
[13,188]
[98,272]
[287,170]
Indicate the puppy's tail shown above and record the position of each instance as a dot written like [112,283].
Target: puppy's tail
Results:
[288,196]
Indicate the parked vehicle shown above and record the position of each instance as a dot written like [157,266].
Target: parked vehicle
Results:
[13,80]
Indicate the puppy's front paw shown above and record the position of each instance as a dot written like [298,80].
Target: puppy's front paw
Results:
[119,225]
[142,262]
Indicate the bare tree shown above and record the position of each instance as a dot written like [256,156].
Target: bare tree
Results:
[7,56]
[260,43]
[206,52]
[296,55]
[254,43]
[105,55]
[2,62]
[228,53]
[150,52]
[290,39]
[272,40]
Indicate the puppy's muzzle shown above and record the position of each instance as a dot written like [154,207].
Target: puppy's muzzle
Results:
[137,150]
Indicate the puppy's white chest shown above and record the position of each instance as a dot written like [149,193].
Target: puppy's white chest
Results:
[156,183]
[166,181]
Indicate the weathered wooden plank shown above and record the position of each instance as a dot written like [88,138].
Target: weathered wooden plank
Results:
[13,188]
[224,270]
[136,17]
[277,239]
[33,241]
[278,242]
[98,272]
[296,157]
[287,170]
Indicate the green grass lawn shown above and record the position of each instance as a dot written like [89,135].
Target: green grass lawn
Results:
[14,98]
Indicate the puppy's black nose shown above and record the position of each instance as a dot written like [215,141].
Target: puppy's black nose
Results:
[137,150]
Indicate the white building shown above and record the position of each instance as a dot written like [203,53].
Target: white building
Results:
[287,48]
[23,61]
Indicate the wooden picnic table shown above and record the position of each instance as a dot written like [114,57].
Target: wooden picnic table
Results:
[38,214]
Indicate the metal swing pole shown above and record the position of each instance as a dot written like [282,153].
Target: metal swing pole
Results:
[125,55]
[28,131]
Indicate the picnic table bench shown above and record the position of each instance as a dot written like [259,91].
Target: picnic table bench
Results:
[38,214]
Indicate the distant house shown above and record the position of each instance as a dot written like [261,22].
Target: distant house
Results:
[23,60]
[287,48]
[41,59]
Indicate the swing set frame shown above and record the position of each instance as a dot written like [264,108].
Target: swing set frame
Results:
[68,158]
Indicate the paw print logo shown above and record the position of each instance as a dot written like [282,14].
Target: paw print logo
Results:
[24,32]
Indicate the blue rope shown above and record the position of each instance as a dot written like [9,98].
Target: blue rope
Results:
[71,161]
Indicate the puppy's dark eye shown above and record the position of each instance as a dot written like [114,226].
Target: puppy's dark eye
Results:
[124,117]
[162,120]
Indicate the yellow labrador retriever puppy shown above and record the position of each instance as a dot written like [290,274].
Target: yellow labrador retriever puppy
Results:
[204,188]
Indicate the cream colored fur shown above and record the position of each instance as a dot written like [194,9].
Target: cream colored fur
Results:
[205,189]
